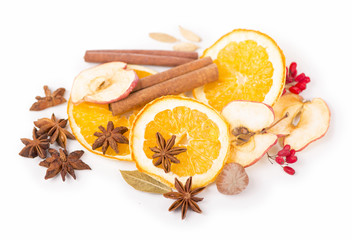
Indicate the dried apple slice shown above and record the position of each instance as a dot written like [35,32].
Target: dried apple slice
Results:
[248,122]
[104,83]
[313,124]
[288,103]
[307,121]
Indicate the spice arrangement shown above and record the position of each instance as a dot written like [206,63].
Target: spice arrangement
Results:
[46,133]
[245,101]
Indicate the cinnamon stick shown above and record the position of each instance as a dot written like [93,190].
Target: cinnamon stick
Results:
[173,72]
[135,58]
[183,54]
[177,85]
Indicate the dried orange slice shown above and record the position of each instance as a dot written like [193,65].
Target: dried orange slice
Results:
[85,118]
[197,127]
[251,67]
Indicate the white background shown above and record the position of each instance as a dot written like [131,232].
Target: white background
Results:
[43,42]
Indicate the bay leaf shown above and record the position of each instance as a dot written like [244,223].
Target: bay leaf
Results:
[163,37]
[184,46]
[144,182]
[191,36]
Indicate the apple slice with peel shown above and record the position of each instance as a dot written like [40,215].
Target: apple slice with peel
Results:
[249,122]
[314,120]
[105,83]
[290,104]
[307,121]
[263,142]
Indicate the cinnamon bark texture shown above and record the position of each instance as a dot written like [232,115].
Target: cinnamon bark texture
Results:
[142,57]
[173,72]
[183,54]
[173,86]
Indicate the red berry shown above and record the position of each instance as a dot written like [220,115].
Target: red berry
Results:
[291,159]
[289,170]
[287,147]
[301,85]
[300,77]
[292,152]
[306,80]
[280,160]
[284,91]
[289,79]
[283,153]
[295,90]
[293,69]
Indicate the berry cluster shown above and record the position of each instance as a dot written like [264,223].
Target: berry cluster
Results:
[296,83]
[285,157]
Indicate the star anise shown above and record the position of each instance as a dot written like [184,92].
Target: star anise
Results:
[185,197]
[110,136]
[50,99]
[35,147]
[63,162]
[55,129]
[164,153]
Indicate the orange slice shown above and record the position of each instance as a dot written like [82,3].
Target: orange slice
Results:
[85,118]
[197,127]
[251,67]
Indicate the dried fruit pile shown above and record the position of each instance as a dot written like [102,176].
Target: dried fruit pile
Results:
[245,102]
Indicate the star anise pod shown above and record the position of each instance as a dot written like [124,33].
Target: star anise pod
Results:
[50,99]
[35,147]
[110,136]
[164,153]
[55,129]
[185,197]
[63,162]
